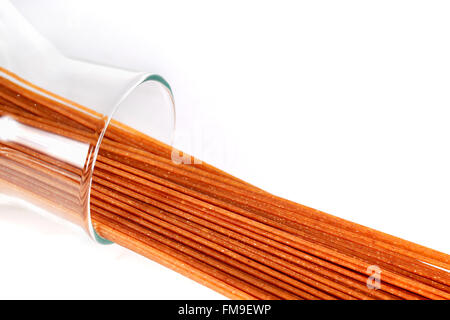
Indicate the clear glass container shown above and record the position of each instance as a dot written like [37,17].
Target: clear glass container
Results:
[56,111]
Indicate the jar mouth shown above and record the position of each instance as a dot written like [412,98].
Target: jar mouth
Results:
[65,107]
[148,106]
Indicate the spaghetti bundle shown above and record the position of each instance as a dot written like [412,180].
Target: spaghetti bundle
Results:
[204,223]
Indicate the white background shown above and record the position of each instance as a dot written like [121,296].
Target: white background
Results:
[339,105]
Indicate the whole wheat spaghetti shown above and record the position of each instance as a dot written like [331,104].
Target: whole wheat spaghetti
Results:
[203,223]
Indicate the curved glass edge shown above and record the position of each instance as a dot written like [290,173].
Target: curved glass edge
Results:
[154,77]
[158,78]
[100,239]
